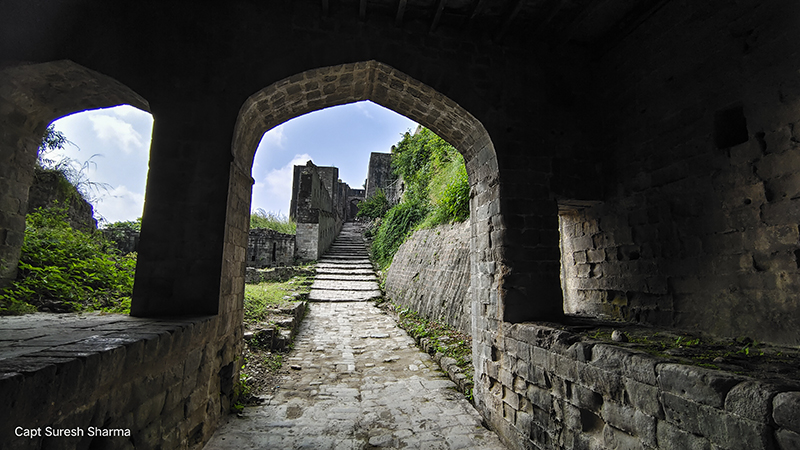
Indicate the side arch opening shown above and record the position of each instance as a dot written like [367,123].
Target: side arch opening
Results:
[33,96]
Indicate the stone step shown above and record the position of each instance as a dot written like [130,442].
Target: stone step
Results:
[345,277]
[355,263]
[344,271]
[345,285]
[345,257]
[323,295]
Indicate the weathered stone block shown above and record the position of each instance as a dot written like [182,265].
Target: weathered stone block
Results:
[540,397]
[511,398]
[639,366]
[705,386]
[691,416]
[616,439]
[787,440]
[751,400]
[786,410]
[671,437]
[585,398]
[607,383]
[644,397]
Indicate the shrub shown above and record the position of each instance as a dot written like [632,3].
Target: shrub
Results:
[375,206]
[395,227]
[62,269]
[437,191]
[119,232]
[453,205]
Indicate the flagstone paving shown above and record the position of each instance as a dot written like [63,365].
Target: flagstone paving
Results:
[355,380]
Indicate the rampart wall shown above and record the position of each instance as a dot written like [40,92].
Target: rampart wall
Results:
[317,209]
[430,274]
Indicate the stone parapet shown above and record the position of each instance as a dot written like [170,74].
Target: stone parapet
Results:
[544,387]
[113,381]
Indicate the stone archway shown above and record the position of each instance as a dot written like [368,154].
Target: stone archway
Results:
[31,97]
[371,80]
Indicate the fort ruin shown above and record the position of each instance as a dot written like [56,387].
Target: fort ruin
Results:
[658,136]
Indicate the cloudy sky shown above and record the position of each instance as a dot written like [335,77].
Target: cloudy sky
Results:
[116,141]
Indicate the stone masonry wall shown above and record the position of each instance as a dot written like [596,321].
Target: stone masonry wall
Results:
[430,273]
[166,381]
[307,241]
[318,210]
[379,173]
[701,232]
[51,188]
[552,389]
[269,248]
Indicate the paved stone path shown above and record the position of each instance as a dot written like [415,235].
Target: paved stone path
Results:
[356,381]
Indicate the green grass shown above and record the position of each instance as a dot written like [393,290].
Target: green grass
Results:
[272,221]
[261,298]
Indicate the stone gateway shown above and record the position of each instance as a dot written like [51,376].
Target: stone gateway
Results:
[647,150]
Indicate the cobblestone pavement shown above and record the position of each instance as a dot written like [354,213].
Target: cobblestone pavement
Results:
[356,381]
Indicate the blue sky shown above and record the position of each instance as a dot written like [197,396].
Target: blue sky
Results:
[118,142]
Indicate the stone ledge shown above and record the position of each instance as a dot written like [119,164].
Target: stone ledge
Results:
[112,372]
[555,377]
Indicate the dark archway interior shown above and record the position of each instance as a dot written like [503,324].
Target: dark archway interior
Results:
[665,131]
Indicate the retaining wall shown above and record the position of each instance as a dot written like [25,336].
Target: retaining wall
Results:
[431,274]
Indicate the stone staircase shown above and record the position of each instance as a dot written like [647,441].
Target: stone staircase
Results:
[344,273]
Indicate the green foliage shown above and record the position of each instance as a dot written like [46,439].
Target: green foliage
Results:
[395,227]
[375,206]
[437,191]
[452,204]
[272,221]
[273,361]
[62,269]
[52,140]
[241,391]
[119,231]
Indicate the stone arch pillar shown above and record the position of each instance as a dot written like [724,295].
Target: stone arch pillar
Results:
[31,97]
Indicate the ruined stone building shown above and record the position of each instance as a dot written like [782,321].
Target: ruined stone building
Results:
[320,204]
[269,248]
[648,150]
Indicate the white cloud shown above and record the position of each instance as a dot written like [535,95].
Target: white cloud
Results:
[115,131]
[364,108]
[120,204]
[273,138]
[273,192]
